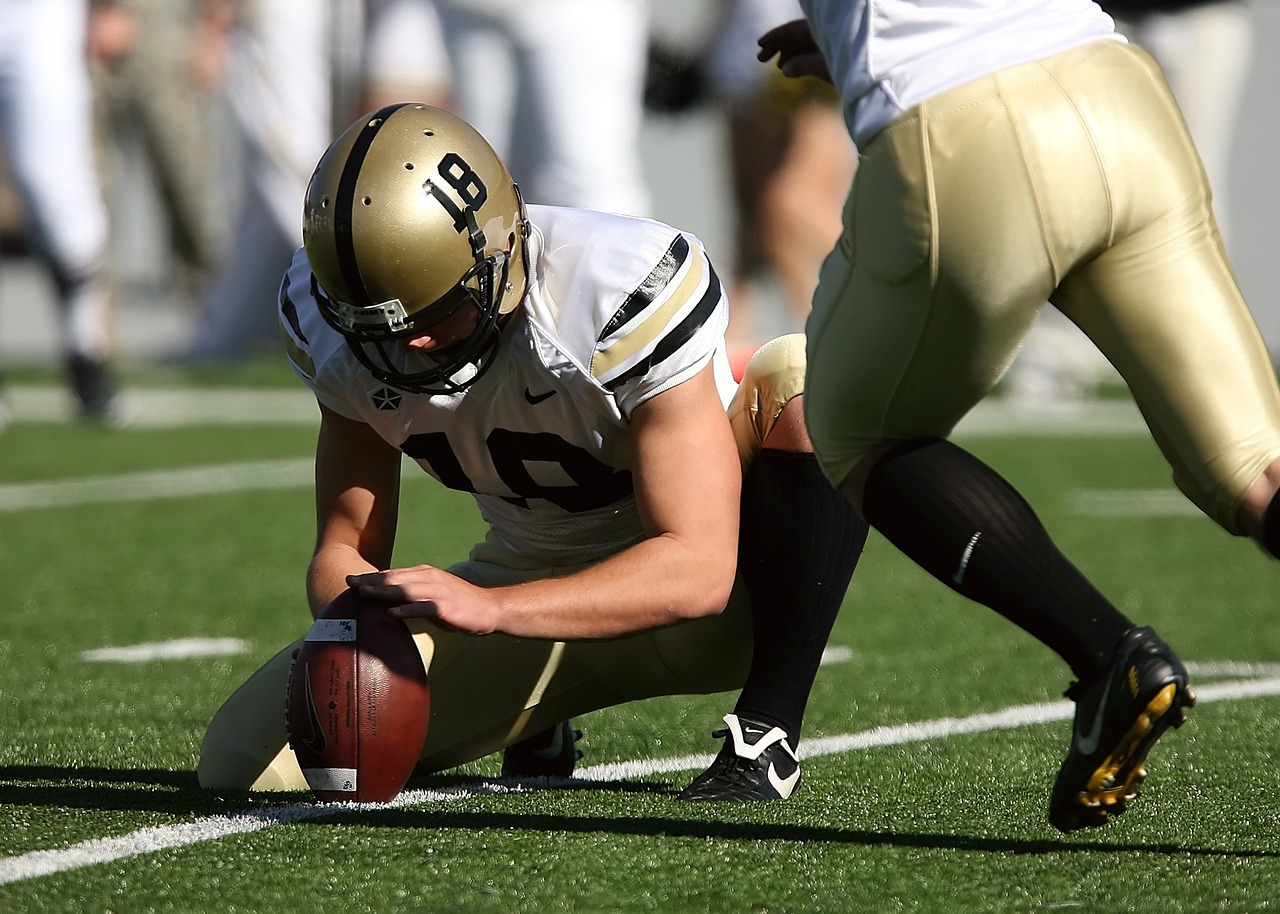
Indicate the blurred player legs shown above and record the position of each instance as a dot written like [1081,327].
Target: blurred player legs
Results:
[556,86]
[46,123]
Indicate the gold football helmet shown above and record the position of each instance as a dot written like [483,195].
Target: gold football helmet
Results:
[410,217]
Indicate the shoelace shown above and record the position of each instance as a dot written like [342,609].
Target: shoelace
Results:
[738,770]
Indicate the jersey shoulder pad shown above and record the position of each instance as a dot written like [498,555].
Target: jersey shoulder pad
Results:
[636,301]
[317,353]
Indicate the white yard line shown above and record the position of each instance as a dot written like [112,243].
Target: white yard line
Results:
[213,479]
[178,406]
[1131,503]
[161,408]
[35,864]
[295,473]
[175,649]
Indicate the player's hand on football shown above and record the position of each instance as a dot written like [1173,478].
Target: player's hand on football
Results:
[427,592]
[798,53]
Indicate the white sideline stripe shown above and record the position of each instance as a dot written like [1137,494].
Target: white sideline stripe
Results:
[35,864]
[184,648]
[1131,503]
[290,473]
[176,649]
[212,479]
[836,654]
[165,837]
[179,406]
[175,407]
[1232,668]
[203,480]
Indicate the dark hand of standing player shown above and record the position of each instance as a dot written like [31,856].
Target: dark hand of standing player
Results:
[798,53]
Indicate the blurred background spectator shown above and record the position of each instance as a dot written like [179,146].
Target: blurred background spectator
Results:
[405,58]
[46,128]
[556,86]
[684,164]
[789,160]
[289,67]
[153,113]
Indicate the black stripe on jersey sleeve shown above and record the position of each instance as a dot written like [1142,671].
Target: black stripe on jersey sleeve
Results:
[290,312]
[679,335]
[295,341]
[653,284]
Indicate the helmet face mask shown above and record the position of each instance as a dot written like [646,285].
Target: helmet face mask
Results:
[394,254]
[376,334]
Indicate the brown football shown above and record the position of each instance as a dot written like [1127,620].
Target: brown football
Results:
[358,703]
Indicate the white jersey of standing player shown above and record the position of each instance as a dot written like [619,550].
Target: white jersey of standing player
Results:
[618,309]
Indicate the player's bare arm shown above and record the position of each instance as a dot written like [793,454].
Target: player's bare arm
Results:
[357,495]
[687,486]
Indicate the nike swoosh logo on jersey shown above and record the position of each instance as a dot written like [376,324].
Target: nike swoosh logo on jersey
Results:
[535,399]
[1089,741]
[784,786]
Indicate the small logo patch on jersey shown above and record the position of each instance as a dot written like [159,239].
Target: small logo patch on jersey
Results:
[386,398]
[535,399]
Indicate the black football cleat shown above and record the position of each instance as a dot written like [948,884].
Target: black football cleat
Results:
[95,390]
[551,753]
[755,763]
[1118,719]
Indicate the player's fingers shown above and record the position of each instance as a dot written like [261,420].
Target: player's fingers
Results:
[786,39]
[807,65]
[423,609]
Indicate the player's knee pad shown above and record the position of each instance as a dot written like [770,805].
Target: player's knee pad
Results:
[773,377]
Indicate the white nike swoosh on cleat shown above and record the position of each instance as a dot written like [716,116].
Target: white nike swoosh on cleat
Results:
[1089,741]
[552,749]
[784,786]
[965,557]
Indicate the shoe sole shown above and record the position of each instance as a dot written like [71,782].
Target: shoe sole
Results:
[1116,781]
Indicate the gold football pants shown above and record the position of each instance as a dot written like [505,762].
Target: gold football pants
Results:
[489,692]
[1070,180]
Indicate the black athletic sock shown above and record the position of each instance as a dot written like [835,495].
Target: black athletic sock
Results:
[1271,526]
[964,524]
[798,546]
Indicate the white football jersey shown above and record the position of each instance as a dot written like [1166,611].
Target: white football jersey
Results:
[618,309]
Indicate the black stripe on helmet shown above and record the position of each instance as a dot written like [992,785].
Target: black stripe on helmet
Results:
[345,202]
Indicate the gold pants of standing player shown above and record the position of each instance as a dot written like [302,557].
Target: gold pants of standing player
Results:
[1071,180]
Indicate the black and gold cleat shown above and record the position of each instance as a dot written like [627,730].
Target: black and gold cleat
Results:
[1118,719]
[551,753]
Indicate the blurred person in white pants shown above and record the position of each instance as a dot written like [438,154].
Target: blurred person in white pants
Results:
[405,59]
[46,126]
[557,87]
[148,106]
[277,57]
